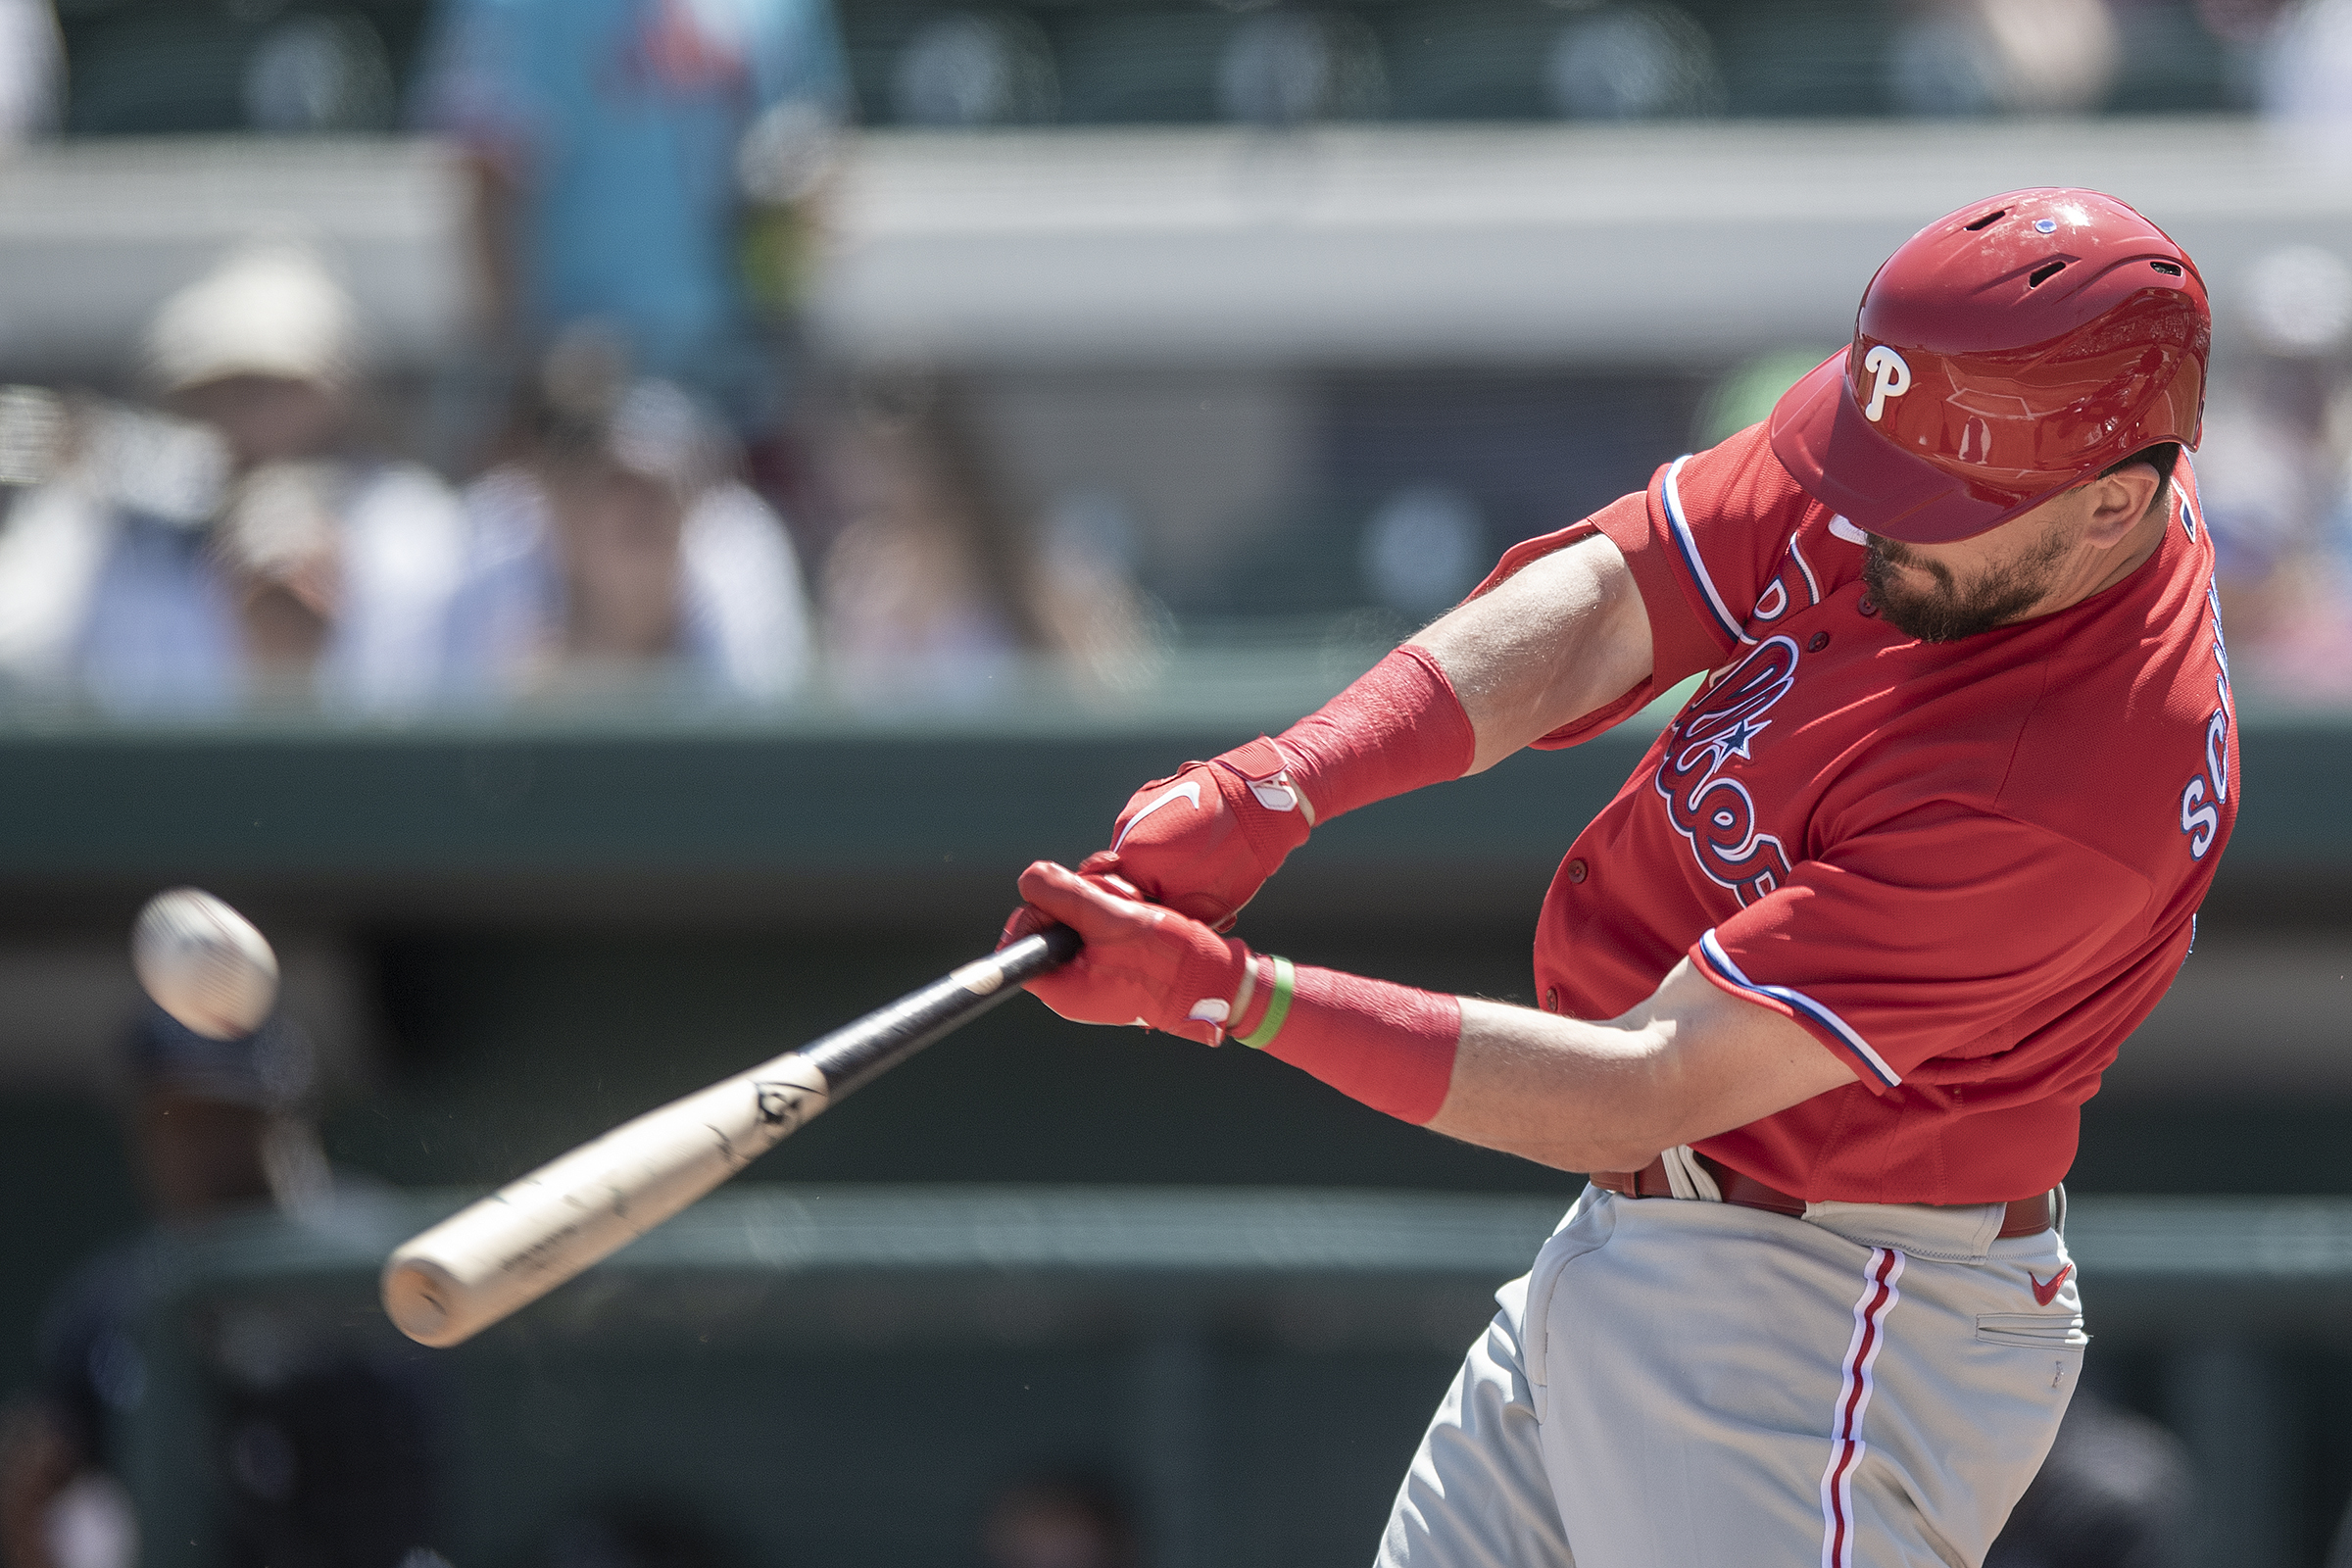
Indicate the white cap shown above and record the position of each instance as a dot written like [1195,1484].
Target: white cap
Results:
[270,307]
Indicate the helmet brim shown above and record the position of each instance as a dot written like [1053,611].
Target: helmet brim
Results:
[1828,446]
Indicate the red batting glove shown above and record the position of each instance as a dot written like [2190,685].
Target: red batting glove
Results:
[1204,841]
[1142,963]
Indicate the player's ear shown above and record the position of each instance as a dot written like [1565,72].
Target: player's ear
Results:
[2118,500]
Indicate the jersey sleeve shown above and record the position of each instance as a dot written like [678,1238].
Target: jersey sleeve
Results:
[1949,933]
[1710,535]
[1702,542]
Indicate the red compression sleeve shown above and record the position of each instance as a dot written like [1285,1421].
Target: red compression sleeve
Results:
[1396,729]
[1389,1046]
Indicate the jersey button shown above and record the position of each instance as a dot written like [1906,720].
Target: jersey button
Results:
[1578,871]
[1551,998]
[1821,640]
[1867,605]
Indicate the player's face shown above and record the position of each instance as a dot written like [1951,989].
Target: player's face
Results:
[2072,546]
[1942,593]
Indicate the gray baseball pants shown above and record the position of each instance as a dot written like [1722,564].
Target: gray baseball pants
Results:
[1685,1384]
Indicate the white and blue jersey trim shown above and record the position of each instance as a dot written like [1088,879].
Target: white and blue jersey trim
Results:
[1680,527]
[1730,974]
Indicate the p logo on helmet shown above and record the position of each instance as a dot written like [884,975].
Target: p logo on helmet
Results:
[1893,379]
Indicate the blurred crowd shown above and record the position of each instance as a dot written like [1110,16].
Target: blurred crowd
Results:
[635,459]
[640,482]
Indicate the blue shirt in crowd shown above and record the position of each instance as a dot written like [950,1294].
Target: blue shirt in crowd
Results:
[620,120]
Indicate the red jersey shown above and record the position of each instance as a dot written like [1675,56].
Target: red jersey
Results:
[1968,868]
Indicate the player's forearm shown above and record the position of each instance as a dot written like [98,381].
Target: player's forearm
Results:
[1691,1062]
[1563,636]
[1560,1092]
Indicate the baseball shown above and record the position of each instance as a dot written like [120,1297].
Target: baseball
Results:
[204,963]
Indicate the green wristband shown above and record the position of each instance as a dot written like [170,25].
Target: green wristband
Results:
[1278,1007]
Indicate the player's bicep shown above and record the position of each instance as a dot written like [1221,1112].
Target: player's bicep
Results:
[1563,636]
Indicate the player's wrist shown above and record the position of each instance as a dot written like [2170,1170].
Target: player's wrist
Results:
[1268,805]
[1261,774]
[1212,985]
[1262,1004]
[1388,1045]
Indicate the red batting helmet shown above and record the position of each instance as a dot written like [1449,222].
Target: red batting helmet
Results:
[2007,352]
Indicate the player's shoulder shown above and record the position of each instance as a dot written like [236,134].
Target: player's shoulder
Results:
[1740,479]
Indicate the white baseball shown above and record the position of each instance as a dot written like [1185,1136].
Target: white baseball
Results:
[204,963]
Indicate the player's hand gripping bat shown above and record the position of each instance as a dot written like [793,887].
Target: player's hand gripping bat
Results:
[514,1247]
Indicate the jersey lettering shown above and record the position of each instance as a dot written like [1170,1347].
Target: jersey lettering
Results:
[1793,586]
[2200,821]
[2202,796]
[1709,807]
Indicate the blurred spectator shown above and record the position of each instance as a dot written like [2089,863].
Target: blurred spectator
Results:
[1285,67]
[2275,468]
[1989,57]
[32,69]
[939,586]
[2307,76]
[1632,63]
[1073,1521]
[327,1455]
[1424,549]
[630,157]
[313,73]
[241,549]
[970,68]
[2115,1492]
[620,552]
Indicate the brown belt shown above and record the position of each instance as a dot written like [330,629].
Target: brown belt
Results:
[2027,1216]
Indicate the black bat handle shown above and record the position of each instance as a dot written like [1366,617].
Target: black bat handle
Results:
[857,1053]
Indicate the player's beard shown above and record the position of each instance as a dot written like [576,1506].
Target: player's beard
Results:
[1951,609]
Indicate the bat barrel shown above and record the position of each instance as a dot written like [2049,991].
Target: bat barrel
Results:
[506,1251]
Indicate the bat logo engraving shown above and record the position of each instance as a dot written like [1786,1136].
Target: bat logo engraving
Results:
[781,1106]
[545,1252]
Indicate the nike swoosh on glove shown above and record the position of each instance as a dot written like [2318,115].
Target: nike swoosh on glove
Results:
[1204,839]
[1142,963]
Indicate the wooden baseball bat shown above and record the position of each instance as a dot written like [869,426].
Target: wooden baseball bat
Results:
[514,1247]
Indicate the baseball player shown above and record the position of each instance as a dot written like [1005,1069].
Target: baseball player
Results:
[1824,988]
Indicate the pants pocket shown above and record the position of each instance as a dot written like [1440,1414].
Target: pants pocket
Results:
[1585,1231]
[2033,1331]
